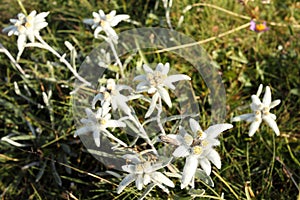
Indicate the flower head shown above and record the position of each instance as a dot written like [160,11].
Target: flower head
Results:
[198,149]
[105,22]
[27,27]
[144,172]
[111,95]
[258,27]
[260,112]
[97,123]
[155,82]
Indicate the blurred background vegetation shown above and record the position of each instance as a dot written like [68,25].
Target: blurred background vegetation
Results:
[49,163]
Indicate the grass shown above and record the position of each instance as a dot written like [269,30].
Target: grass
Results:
[55,165]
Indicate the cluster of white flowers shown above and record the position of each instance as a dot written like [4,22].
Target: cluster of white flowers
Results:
[192,143]
[27,27]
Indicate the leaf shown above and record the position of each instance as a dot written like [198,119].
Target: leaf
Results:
[196,192]
[204,177]
[55,174]
[147,191]
[41,172]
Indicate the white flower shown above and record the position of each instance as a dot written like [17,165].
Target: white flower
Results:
[144,172]
[198,149]
[156,82]
[97,123]
[260,111]
[111,94]
[27,27]
[102,22]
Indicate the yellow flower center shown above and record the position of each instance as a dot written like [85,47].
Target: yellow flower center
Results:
[204,143]
[102,121]
[200,133]
[197,150]
[260,27]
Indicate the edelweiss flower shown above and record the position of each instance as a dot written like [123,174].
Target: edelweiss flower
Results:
[261,27]
[111,94]
[97,123]
[27,27]
[155,82]
[144,172]
[261,111]
[102,22]
[198,149]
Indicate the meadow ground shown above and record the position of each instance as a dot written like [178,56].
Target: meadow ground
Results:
[52,164]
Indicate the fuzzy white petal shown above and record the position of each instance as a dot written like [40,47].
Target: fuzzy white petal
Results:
[274,103]
[152,105]
[267,97]
[205,165]
[165,96]
[139,182]
[243,117]
[215,130]
[194,125]
[125,182]
[189,170]
[215,158]
[271,122]
[160,178]
[117,19]
[181,151]
[254,126]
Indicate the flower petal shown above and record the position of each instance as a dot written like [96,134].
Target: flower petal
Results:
[125,182]
[115,123]
[215,130]
[254,126]
[259,90]
[117,19]
[21,42]
[129,168]
[194,125]
[205,165]
[271,122]
[243,117]
[161,178]
[256,103]
[181,151]
[267,97]
[139,182]
[165,96]
[96,136]
[152,105]
[97,31]
[274,103]
[214,157]
[189,170]
[147,69]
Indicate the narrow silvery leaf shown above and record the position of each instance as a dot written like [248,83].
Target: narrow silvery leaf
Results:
[201,174]
[96,137]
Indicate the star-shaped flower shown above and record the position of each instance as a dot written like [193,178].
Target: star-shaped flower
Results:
[105,22]
[198,149]
[111,94]
[97,123]
[260,111]
[144,172]
[27,27]
[155,82]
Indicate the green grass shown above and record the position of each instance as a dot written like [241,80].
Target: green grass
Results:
[55,165]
